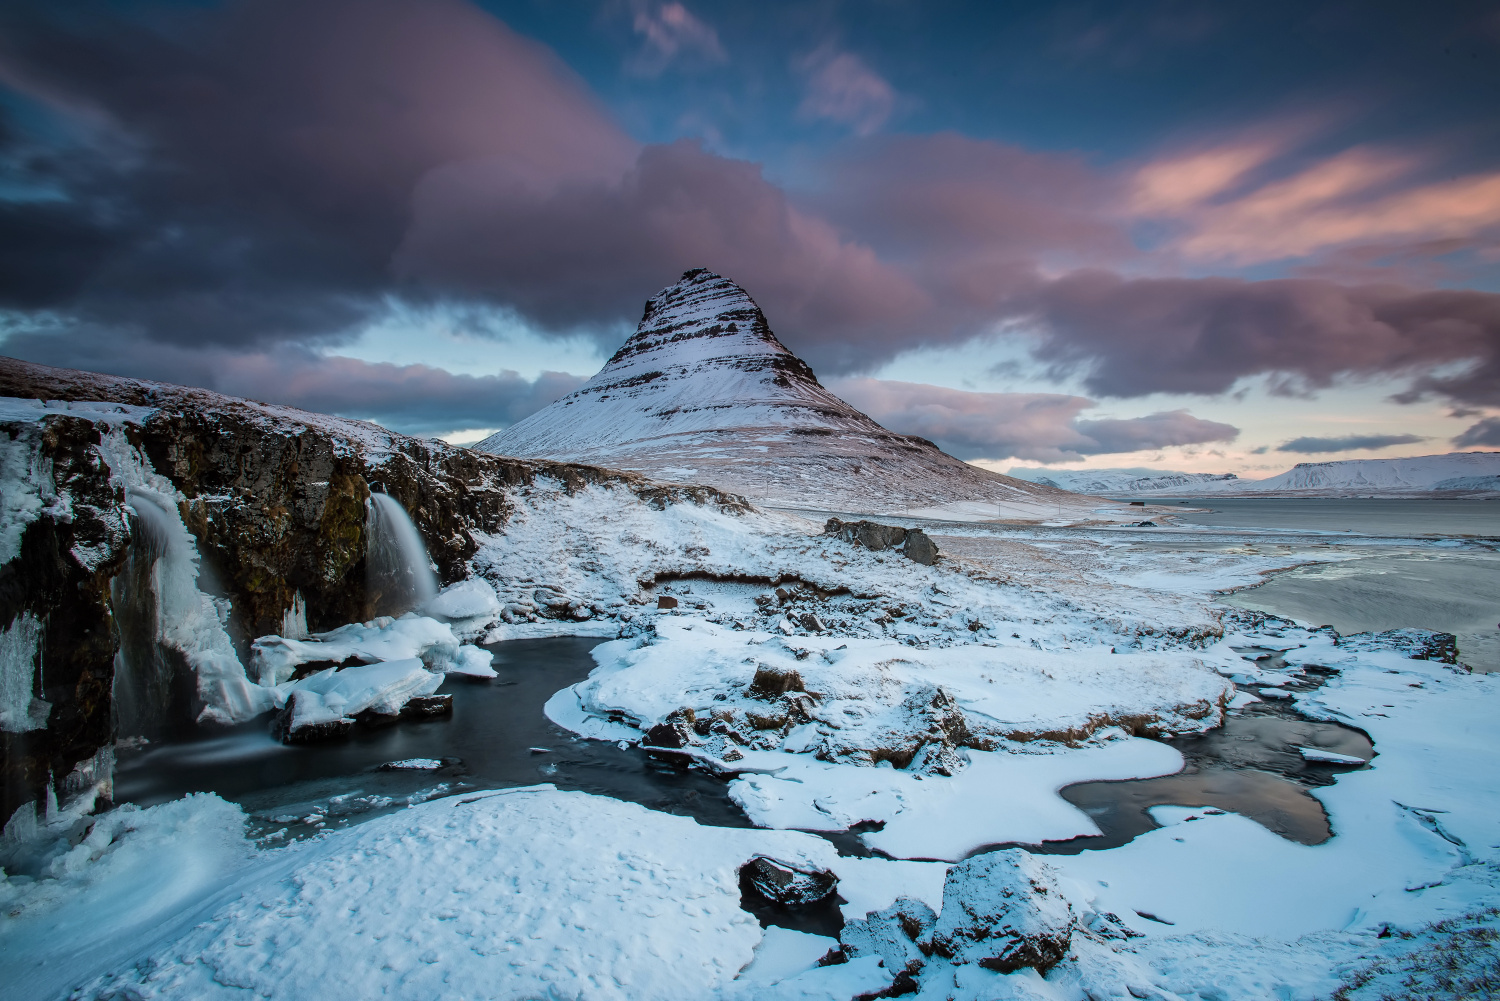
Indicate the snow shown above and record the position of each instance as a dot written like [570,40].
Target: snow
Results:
[1105,482]
[703,392]
[516,894]
[331,694]
[275,658]
[942,817]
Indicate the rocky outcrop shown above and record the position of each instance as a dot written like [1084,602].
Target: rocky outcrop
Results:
[274,498]
[913,543]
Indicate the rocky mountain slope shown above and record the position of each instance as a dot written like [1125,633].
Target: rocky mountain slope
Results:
[703,392]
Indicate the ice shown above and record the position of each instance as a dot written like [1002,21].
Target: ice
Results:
[275,658]
[331,694]
[188,620]
[20,674]
[1331,757]
[469,601]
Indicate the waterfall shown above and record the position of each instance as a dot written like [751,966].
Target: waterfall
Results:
[398,571]
[175,658]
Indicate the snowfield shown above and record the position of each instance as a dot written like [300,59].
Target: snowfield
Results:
[937,709]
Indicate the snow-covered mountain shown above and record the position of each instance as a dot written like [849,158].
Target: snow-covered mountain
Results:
[1126,481]
[703,392]
[1454,474]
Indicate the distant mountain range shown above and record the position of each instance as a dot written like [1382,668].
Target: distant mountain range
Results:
[703,392]
[1475,474]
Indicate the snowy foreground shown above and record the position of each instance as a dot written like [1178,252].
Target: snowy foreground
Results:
[830,685]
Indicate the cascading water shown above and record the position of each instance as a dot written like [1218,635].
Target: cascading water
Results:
[398,571]
[151,686]
[176,663]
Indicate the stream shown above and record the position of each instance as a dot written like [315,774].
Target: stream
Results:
[498,736]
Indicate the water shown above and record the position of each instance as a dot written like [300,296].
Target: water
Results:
[1387,517]
[398,571]
[1452,592]
[487,743]
[498,737]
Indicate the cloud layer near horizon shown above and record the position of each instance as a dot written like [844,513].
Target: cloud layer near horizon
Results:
[257,179]
[1044,427]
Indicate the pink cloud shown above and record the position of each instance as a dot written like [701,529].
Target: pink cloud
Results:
[842,88]
[670,32]
[1043,427]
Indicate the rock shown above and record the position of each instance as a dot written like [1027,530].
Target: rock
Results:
[790,886]
[915,544]
[872,535]
[309,733]
[897,935]
[773,682]
[812,623]
[427,706]
[676,731]
[920,548]
[1003,911]
[666,601]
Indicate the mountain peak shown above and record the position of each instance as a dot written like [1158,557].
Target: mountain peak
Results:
[704,392]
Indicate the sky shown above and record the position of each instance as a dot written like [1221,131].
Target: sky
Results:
[1210,237]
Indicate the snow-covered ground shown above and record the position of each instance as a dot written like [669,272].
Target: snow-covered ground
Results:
[833,685]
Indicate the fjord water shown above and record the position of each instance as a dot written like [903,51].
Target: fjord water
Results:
[1449,584]
[1379,516]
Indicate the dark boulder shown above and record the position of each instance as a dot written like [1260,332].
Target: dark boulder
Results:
[920,548]
[1003,911]
[787,885]
[914,544]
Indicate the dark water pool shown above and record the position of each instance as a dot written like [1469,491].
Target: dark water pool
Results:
[498,737]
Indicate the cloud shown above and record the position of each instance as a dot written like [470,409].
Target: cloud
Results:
[1039,426]
[412,399]
[1133,337]
[1348,443]
[255,171]
[1485,432]
[1253,201]
[585,252]
[842,89]
[670,33]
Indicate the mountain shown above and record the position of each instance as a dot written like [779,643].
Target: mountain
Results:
[1126,481]
[704,392]
[1454,474]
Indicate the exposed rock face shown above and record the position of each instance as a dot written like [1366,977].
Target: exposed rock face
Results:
[914,543]
[273,497]
[59,580]
[704,392]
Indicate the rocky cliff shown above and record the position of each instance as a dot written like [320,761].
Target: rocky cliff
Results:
[704,392]
[274,500]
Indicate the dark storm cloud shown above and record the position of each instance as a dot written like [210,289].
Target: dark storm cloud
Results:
[272,172]
[1039,426]
[247,175]
[1348,443]
[412,399]
[1485,432]
[1133,337]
